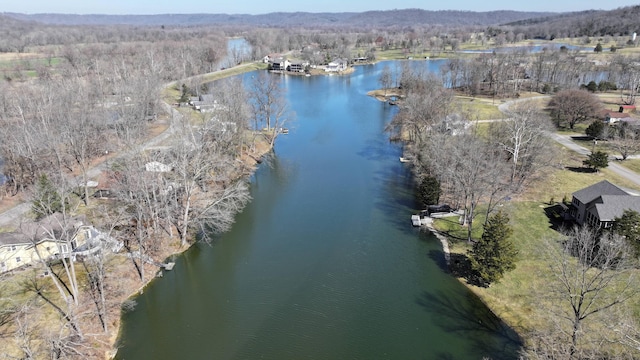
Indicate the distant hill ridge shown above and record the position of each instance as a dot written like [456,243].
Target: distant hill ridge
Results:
[404,17]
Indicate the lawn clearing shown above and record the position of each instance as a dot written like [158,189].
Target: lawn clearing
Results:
[477,108]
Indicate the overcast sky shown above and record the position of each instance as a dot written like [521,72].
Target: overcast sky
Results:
[263,7]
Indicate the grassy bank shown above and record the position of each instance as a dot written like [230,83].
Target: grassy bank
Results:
[522,297]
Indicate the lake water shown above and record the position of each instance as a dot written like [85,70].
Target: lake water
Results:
[324,263]
[532,48]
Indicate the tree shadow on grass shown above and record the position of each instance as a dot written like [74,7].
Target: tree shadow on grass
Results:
[556,215]
[581,138]
[581,170]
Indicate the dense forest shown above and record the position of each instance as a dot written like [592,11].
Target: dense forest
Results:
[622,21]
[367,20]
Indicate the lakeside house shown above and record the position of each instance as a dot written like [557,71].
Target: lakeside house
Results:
[283,64]
[204,103]
[49,239]
[337,65]
[599,204]
[297,66]
[278,64]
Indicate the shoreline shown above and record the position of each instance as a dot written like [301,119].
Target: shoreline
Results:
[250,160]
[442,238]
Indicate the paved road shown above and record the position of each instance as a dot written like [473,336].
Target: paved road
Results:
[613,165]
[566,141]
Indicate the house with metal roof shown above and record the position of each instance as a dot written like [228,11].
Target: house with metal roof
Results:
[599,204]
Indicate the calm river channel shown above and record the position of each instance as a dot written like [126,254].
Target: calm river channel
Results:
[324,263]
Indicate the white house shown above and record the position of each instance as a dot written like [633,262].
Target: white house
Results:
[50,238]
[336,65]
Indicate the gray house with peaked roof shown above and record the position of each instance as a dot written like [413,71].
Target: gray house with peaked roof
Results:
[599,204]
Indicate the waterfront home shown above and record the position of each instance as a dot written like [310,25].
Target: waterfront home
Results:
[156,166]
[53,237]
[278,64]
[297,66]
[336,65]
[599,204]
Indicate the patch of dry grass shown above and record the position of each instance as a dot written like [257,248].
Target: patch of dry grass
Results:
[477,108]
[631,164]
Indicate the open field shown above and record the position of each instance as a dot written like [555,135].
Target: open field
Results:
[475,108]
[17,65]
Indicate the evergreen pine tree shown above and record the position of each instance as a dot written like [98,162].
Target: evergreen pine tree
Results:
[494,254]
[46,199]
[429,191]
[628,225]
[597,160]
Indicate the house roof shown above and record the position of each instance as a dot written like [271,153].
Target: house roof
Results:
[613,206]
[278,60]
[207,98]
[36,232]
[596,190]
[617,115]
[13,238]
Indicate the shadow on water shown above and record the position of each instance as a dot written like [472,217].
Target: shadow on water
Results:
[378,150]
[397,200]
[489,335]
[459,267]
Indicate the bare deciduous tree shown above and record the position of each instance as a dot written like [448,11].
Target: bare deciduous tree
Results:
[627,72]
[426,105]
[386,79]
[205,194]
[574,106]
[232,113]
[592,275]
[625,140]
[270,111]
[523,135]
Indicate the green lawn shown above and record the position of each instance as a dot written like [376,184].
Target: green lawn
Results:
[631,164]
[520,297]
[477,108]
